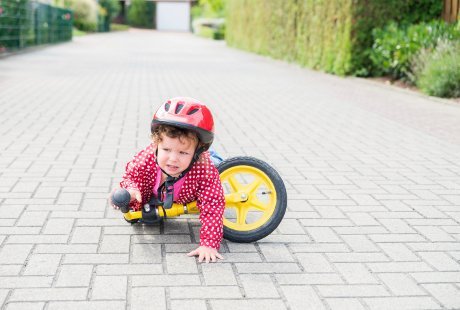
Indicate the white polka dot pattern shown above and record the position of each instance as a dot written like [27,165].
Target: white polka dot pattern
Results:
[201,183]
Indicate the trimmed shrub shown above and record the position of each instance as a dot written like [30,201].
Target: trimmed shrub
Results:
[437,72]
[209,9]
[109,9]
[207,19]
[212,28]
[85,14]
[141,13]
[394,47]
[371,14]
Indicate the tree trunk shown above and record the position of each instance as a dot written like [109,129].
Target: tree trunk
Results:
[450,12]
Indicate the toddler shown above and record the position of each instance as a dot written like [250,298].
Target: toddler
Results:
[177,167]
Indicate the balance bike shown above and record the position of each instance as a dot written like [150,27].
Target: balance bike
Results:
[255,201]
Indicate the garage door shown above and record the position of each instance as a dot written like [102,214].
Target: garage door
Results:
[173,16]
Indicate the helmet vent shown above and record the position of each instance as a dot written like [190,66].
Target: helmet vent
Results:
[179,107]
[167,105]
[193,111]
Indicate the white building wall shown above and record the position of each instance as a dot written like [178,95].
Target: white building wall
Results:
[173,16]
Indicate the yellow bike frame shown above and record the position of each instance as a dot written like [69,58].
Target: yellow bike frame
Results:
[175,210]
[189,208]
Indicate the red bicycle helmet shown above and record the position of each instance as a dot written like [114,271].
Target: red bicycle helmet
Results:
[187,113]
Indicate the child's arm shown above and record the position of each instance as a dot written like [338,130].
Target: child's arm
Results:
[140,176]
[211,203]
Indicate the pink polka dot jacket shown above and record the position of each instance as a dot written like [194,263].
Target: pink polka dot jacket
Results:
[201,183]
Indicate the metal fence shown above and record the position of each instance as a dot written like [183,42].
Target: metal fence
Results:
[26,23]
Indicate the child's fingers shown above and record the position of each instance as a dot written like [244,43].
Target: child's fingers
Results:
[205,256]
[132,195]
[138,197]
[192,253]
[109,199]
[135,195]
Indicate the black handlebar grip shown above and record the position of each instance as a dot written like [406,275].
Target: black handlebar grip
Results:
[121,198]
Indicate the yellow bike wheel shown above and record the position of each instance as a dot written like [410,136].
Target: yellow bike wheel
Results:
[255,198]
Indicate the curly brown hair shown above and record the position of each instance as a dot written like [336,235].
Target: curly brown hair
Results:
[173,132]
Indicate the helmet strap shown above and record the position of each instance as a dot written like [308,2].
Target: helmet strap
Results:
[168,186]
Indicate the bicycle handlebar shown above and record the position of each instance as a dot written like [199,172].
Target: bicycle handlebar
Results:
[121,198]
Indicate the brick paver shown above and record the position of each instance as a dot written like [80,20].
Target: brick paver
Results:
[372,173]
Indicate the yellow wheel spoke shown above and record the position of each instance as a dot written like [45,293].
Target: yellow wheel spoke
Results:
[241,214]
[232,198]
[234,183]
[250,188]
[230,205]
[256,203]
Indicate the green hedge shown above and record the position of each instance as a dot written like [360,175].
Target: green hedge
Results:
[330,35]
[323,35]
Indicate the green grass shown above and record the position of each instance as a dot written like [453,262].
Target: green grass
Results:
[77,33]
[118,27]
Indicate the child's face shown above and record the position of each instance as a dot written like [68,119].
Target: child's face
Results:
[175,155]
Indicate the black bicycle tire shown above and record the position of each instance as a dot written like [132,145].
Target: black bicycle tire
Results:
[281,202]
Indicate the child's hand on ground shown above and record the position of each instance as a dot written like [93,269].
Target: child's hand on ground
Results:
[135,195]
[205,253]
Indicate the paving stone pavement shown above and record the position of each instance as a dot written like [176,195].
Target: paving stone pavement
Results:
[372,173]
